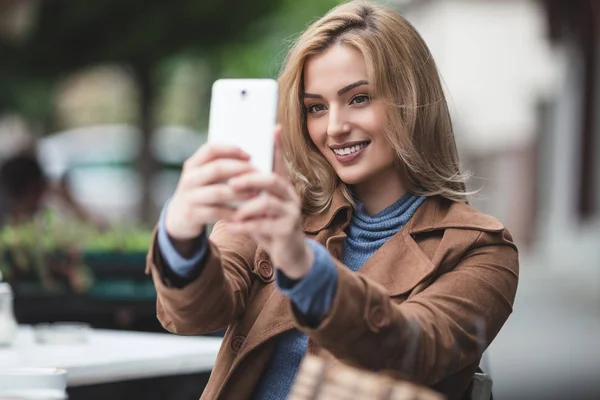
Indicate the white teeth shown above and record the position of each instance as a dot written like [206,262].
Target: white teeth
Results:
[349,150]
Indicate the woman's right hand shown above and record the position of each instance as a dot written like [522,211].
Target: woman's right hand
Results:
[202,195]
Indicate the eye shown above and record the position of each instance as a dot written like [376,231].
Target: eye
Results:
[315,108]
[360,99]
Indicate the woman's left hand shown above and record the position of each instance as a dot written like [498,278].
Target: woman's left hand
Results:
[273,218]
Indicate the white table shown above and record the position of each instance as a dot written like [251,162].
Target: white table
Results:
[111,356]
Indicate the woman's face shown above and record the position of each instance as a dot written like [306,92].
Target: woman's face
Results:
[345,121]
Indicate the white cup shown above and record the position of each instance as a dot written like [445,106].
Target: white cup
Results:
[33,383]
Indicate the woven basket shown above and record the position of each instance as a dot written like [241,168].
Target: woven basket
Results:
[317,380]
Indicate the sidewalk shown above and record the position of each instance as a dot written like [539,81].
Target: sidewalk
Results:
[550,346]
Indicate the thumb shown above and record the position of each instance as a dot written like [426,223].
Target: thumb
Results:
[279,165]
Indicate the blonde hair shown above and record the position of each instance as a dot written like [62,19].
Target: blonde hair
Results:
[403,73]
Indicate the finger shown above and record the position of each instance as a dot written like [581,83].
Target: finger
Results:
[272,183]
[217,195]
[252,227]
[201,215]
[258,228]
[216,171]
[212,151]
[212,214]
[246,229]
[261,238]
[279,165]
[259,207]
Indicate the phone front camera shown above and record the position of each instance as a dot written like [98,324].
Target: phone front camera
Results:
[243,92]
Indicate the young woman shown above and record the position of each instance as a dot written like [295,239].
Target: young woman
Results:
[367,253]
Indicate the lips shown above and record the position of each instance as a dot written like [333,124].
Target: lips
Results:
[349,147]
[349,151]
[348,144]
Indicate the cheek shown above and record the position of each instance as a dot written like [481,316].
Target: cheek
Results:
[377,121]
[316,133]
[374,118]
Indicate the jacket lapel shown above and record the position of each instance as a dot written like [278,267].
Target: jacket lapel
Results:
[399,265]
[275,316]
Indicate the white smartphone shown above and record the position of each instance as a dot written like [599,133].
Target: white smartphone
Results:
[243,113]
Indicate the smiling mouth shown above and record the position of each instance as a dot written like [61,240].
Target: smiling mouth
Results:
[349,150]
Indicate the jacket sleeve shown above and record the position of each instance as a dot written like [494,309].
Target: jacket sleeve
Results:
[434,333]
[173,261]
[215,298]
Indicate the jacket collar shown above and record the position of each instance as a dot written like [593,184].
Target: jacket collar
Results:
[436,213]
[313,223]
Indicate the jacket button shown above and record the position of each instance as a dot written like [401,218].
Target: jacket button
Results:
[265,269]
[236,343]
[377,317]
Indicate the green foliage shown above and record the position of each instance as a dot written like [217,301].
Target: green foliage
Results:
[272,36]
[119,239]
[264,56]
[71,35]
[51,246]
[184,89]
[237,38]
[74,34]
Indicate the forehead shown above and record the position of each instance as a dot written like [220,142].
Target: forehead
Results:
[333,69]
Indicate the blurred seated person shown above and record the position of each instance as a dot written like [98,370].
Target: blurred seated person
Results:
[25,191]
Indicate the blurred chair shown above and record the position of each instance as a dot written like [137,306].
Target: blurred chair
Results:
[481,387]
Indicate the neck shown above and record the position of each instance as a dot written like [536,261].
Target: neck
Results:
[381,192]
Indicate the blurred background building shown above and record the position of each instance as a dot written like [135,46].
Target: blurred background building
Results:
[117,99]
[522,79]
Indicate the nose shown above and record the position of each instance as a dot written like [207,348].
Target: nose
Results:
[337,124]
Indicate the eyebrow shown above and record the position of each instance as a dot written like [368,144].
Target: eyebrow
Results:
[340,92]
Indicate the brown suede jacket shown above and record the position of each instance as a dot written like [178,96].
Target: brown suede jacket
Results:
[424,307]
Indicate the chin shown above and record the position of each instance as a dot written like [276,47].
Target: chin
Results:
[351,178]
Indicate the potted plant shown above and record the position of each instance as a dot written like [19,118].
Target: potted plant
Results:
[56,255]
